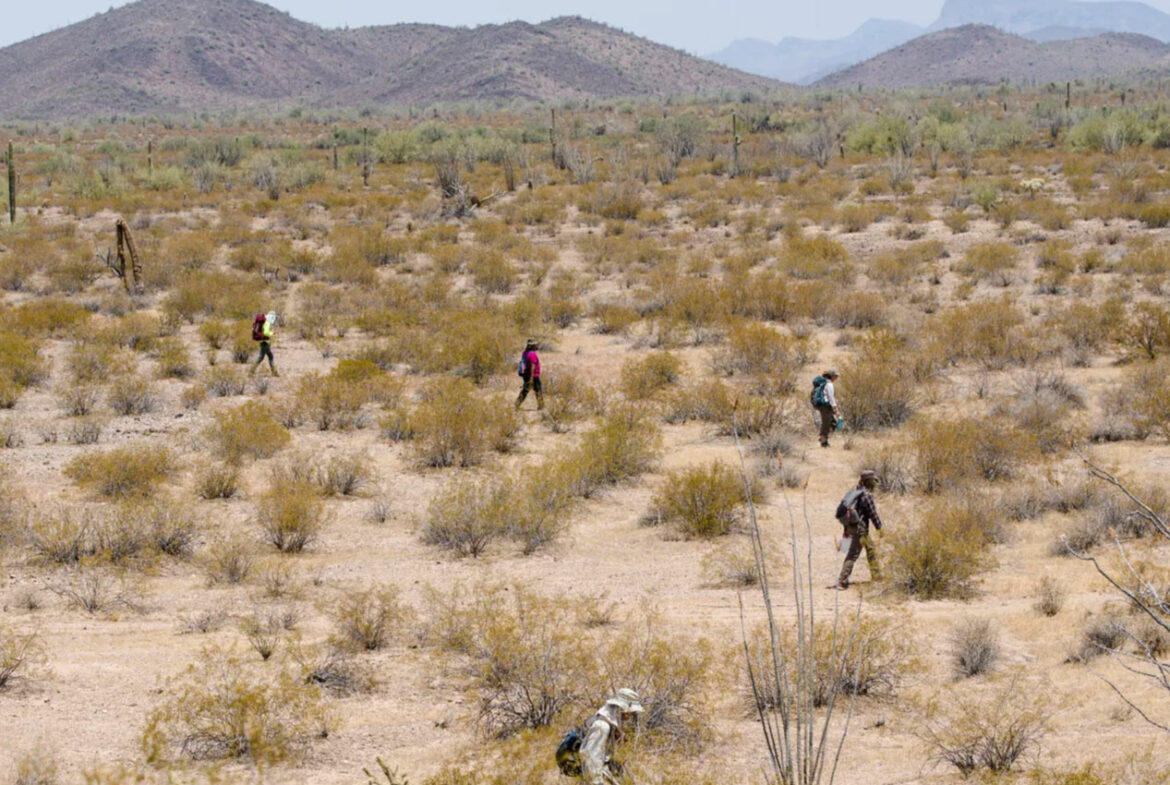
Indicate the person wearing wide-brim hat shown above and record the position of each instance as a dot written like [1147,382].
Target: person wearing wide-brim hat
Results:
[602,732]
[826,405]
[529,369]
[860,513]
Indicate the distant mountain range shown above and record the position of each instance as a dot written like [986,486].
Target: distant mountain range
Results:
[177,56]
[980,54]
[805,61]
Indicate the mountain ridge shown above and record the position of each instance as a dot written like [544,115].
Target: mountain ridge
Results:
[177,56]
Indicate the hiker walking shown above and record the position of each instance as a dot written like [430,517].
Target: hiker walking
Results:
[602,732]
[529,368]
[856,512]
[262,331]
[824,400]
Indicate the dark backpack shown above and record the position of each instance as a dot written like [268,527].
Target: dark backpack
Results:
[817,397]
[521,366]
[258,327]
[847,508]
[569,752]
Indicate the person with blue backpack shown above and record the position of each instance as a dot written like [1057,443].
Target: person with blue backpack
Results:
[587,751]
[529,369]
[824,399]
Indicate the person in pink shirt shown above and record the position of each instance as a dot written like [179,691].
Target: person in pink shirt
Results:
[529,369]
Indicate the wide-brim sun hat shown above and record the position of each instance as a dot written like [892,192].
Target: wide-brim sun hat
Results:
[627,700]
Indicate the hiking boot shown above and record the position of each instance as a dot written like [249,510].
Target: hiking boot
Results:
[825,443]
[275,372]
[840,587]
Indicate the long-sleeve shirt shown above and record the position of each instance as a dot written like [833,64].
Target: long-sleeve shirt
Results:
[597,748]
[867,510]
[831,394]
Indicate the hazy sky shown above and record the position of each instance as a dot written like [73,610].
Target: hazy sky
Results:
[699,26]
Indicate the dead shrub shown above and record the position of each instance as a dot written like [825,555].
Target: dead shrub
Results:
[335,671]
[366,620]
[78,399]
[223,381]
[704,501]
[993,735]
[220,708]
[291,516]
[975,648]
[137,470]
[264,632]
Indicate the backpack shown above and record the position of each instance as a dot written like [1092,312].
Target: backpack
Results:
[522,366]
[847,508]
[818,397]
[568,752]
[258,327]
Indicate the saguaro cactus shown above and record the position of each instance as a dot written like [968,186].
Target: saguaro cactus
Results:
[11,185]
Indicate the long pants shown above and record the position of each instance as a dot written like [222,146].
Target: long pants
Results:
[859,541]
[266,351]
[828,422]
[534,384]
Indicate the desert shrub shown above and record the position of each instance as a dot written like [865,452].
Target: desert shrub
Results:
[541,504]
[250,430]
[95,590]
[222,381]
[220,708]
[21,366]
[263,632]
[1143,396]
[131,394]
[344,475]
[366,620]
[704,501]
[59,535]
[173,359]
[330,402]
[755,349]
[216,333]
[880,385]
[893,466]
[334,670]
[953,453]
[1049,596]
[455,427]
[172,529]
[626,443]
[228,561]
[874,659]
[1101,634]
[733,565]
[1147,330]
[613,318]
[78,399]
[467,516]
[291,516]
[816,256]
[20,655]
[974,647]
[134,470]
[216,480]
[993,735]
[941,555]
[37,767]
[641,379]
[992,333]
[567,399]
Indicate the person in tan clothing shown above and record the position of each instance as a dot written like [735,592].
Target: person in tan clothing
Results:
[602,732]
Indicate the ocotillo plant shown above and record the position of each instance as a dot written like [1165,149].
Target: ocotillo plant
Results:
[11,186]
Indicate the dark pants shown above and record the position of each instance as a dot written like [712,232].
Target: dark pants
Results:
[532,383]
[861,539]
[828,422]
[266,351]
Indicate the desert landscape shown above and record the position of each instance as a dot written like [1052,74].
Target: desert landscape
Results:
[217,573]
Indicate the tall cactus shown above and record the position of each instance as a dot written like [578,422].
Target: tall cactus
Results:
[11,186]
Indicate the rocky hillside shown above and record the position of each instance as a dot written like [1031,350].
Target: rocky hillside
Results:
[978,54]
[173,56]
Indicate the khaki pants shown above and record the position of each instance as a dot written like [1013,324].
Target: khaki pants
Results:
[860,541]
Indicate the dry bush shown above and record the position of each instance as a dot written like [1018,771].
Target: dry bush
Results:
[20,655]
[216,480]
[335,671]
[344,475]
[220,708]
[1142,399]
[173,359]
[264,632]
[704,501]
[992,333]
[332,403]
[291,516]
[1101,634]
[641,379]
[223,381]
[367,620]
[95,590]
[136,470]
[975,648]
[455,427]
[1049,596]
[37,767]
[21,366]
[78,399]
[228,561]
[880,387]
[613,318]
[894,467]
[250,430]
[874,659]
[467,516]
[942,555]
[993,735]
[951,454]
[817,256]
[131,394]
[625,444]
[755,349]
[568,399]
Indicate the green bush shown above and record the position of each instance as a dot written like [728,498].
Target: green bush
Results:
[291,516]
[941,555]
[454,426]
[641,379]
[951,453]
[247,431]
[625,444]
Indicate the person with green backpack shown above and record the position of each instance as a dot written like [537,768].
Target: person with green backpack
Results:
[824,399]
